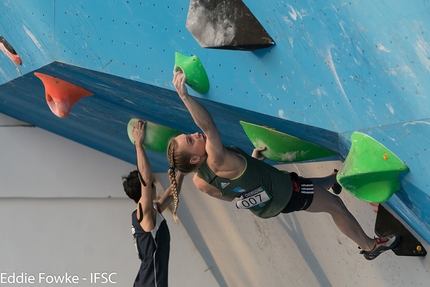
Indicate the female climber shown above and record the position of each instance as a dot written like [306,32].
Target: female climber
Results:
[228,173]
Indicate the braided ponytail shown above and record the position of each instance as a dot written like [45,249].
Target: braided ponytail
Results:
[174,187]
[181,161]
[172,176]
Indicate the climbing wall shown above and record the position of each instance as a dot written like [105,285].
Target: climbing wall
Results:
[336,67]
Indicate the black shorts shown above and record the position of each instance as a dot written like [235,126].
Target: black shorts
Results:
[303,193]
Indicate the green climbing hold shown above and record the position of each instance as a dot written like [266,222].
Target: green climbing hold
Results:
[370,171]
[282,147]
[156,136]
[195,74]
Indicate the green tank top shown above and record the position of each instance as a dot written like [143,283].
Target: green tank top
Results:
[277,183]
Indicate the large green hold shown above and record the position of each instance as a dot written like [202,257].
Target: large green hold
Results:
[156,136]
[282,147]
[370,171]
[195,74]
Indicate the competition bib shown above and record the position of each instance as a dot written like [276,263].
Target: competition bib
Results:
[255,198]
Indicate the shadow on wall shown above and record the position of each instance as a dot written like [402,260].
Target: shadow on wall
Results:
[292,226]
[193,230]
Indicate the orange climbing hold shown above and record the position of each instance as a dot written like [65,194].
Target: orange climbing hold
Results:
[9,51]
[61,95]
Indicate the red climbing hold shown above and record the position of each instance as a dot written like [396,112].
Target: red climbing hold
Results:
[61,95]
[9,51]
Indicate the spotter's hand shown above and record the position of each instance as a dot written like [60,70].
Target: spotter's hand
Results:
[138,131]
[179,83]
[256,153]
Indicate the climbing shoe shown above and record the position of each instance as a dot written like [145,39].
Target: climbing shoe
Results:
[382,244]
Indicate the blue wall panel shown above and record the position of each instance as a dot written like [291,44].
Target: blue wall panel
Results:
[29,28]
